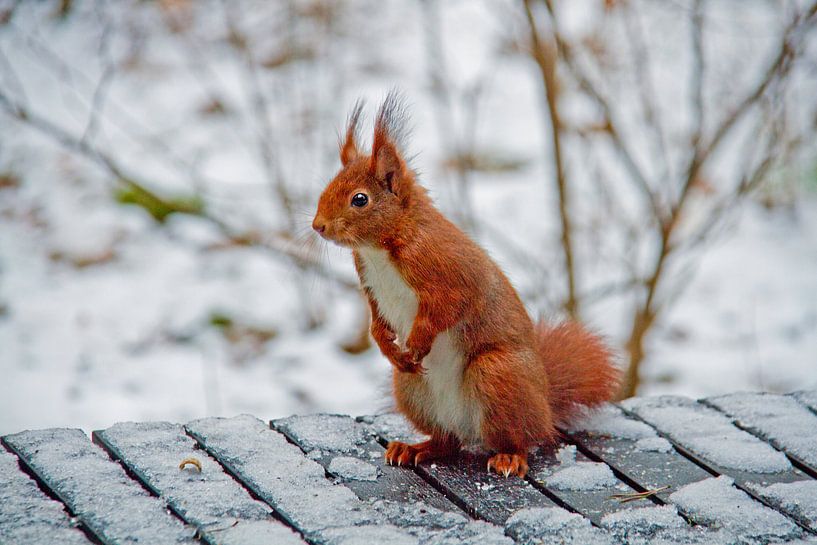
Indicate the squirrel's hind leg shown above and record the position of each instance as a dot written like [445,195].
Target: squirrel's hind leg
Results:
[516,409]
[404,454]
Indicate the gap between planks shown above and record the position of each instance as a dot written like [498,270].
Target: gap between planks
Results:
[795,460]
[45,489]
[276,514]
[710,468]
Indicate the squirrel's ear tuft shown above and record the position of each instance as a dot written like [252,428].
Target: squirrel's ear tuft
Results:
[387,164]
[348,147]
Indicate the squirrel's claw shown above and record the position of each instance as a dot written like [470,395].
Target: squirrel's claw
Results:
[400,454]
[407,362]
[507,464]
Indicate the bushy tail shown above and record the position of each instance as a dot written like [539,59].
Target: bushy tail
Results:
[579,367]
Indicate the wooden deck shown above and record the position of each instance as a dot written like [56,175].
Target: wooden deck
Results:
[740,468]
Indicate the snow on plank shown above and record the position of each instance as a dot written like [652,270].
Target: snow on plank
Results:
[465,480]
[709,437]
[351,453]
[206,496]
[348,450]
[538,525]
[661,524]
[779,419]
[297,487]
[634,449]
[807,398]
[642,526]
[715,502]
[585,486]
[110,504]
[27,515]
[798,499]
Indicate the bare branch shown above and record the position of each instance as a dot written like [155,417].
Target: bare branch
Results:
[545,57]
[12,77]
[698,71]
[105,80]
[642,64]
[441,94]
[778,68]
[280,246]
[646,315]
[261,115]
[585,84]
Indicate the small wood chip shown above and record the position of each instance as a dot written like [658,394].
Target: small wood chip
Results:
[190,461]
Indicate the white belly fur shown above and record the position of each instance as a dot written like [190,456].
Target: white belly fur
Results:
[444,401]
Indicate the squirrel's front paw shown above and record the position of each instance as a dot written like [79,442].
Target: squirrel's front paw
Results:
[409,362]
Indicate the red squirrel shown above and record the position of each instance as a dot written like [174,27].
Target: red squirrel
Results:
[469,365]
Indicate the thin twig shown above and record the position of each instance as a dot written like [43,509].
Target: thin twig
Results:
[633,496]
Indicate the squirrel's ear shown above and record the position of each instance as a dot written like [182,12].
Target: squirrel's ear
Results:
[348,148]
[387,164]
[390,170]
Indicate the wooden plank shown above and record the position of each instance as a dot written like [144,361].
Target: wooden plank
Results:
[206,497]
[465,480]
[635,450]
[790,427]
[583,485]
[709,438]
[279,473]
[807,398]
[778,419]
[110,504]
[716,503]
[27,515]
[495,498]
[650,462]
[350,452]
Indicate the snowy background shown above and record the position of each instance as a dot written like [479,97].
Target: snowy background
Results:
[231,111]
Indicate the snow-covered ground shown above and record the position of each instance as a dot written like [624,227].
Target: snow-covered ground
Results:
[106,315]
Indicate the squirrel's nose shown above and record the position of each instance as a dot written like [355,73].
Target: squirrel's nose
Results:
[319,225]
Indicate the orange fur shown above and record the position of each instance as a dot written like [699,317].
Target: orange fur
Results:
[508,382]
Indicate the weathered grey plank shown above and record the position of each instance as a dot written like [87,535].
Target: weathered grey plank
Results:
[223,512]
[715,502]
[27,515]
[635,450]
[495,498]
[807,398]
[585,486]
[778,419]
[642,526]
[280,474]
[350,452]
[710,438]
[110,504]
[540,525]
[483,494]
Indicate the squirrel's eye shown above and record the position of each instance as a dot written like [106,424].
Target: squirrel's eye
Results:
[360,200]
